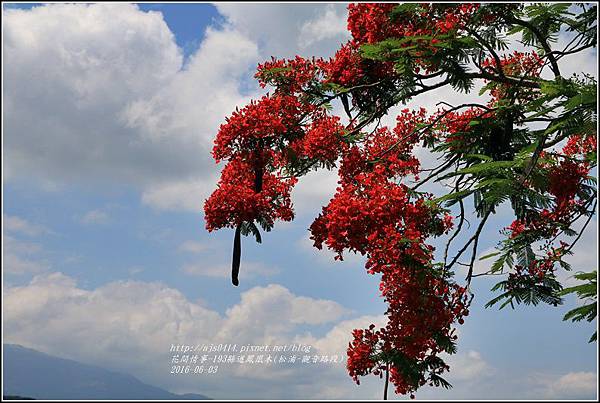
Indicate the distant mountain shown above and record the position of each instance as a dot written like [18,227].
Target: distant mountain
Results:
[37,375]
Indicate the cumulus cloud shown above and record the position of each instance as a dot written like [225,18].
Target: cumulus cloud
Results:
[99,324]
[195,100]
[193,105]
[331,24]
[252,33]
[186,195]
[337,339]
[313,191]
[75,67]
[112,98]
[284,30]
[572,385]
[130,326]
[468,366]
[15,263]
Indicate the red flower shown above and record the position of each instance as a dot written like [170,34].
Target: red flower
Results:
[345,68]
[323,140]
[374,212]
[235,200]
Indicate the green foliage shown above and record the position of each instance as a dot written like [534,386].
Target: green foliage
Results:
[507,151]
[588,292]
[546,18]
[248,228]
[528,291]
[412,369]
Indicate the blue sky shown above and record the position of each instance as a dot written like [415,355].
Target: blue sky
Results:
[109,115]
[187,21]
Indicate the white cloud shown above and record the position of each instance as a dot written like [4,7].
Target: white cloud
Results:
[95,217]
[313,191]
[226,58]
[193,105]
[19,225]
[468,366]
[337,339]
[197,99]
[193,247]
[16,264]
[130,326]
[135,270]
[59,317]
[75,67]
[187,195]
[575,383]
[572,385]
[279,28]
[327,256]
[329,25]
[19,256]
[111,99]
[275,307]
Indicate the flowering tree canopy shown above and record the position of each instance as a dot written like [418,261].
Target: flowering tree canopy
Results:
[530,143]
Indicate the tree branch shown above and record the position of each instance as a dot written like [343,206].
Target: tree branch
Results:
[541,40]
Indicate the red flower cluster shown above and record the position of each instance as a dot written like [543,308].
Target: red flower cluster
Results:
[372,22]
[373,211]
[518,64]
[516,228]
[385,150]
[266,120]
[565,178]
[564,181]
[580,145]
[360,354]
[453,127]
[235,200]
[289,75]
[374,215]
[323,140]
[346,68]
[265,137]
[360,211]
[456,17]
